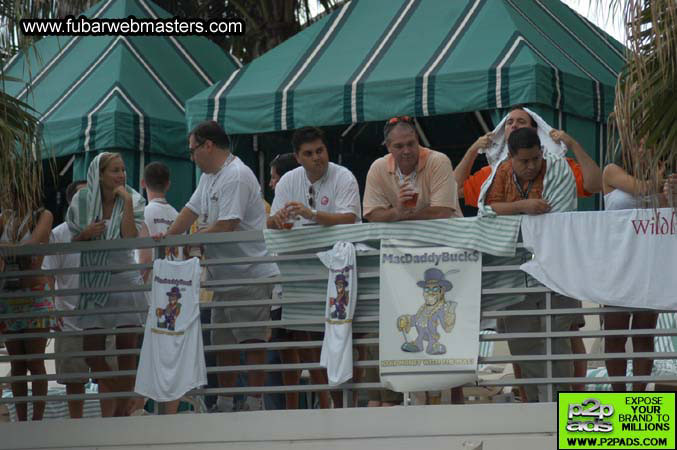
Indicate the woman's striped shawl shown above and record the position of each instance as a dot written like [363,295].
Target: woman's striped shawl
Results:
[86,208]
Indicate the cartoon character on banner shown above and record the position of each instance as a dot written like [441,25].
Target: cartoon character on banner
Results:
[338,304]
[435,311]
[167,316]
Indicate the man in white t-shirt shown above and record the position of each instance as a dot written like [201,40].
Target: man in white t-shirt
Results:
[62,344]
[317,193]
[228,198]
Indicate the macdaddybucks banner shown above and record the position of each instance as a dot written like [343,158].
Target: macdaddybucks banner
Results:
[429,316]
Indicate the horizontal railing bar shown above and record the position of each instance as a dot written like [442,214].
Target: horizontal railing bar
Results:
[210,370]
[69,355]
[577,357]
[580,333]
[280,279]
[481,360]
[275,258]
[141,243]
[365,319]
[207,348]
[69,270]
[581,380]
[519,290]
[143,266]
[345,386]
[214,326]
[207,305]
[506,268]
[132,244]
[283,389]
[205,284]
[206,391]
[348,386]
[561,311]
[239,282]
[73,292]
[291,301]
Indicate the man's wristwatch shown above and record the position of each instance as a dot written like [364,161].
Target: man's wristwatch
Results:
[313,215]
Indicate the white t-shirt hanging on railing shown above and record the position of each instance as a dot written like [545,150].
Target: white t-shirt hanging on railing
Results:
[172,356]
[337,346]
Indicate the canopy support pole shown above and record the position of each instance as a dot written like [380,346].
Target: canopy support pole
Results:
[424,138]
[142,166]
[480,119]
[262,162]
[342,140]
[67,166]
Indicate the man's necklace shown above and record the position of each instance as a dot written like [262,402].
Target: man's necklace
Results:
[524,194]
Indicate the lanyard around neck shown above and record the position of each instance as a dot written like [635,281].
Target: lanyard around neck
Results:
[524,194]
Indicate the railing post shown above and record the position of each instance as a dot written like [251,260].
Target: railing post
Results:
[548,343]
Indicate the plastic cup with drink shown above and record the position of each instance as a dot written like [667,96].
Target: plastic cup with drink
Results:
[289,220]
[413,200]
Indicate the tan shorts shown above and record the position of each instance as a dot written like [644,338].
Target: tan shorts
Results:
[70,344]
[223,336]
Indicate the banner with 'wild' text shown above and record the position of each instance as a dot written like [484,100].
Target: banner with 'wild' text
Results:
[618,258]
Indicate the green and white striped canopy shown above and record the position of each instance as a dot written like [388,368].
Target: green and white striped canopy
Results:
[373,59]
[117,93]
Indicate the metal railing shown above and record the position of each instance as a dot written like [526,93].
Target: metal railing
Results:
[348,389]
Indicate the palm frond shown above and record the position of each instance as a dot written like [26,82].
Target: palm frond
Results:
[645,110]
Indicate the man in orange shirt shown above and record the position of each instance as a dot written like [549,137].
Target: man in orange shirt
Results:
[587,173]
[518,185]
[517,188]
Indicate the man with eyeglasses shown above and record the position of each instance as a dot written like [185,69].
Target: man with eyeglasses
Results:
[411,182]
[317,193]
[228,198]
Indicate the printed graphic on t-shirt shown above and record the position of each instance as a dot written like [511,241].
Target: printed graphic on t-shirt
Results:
[338,303]
[167,315]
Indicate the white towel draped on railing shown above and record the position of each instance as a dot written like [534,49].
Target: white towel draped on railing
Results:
[620,258]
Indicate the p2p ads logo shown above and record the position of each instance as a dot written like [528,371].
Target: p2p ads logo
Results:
[616,420]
